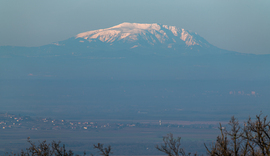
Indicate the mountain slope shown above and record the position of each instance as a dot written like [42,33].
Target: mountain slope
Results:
[150,37]
[152,33]
[124,40]
[132,51]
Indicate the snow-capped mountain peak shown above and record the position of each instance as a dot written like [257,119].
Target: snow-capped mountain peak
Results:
[137,32]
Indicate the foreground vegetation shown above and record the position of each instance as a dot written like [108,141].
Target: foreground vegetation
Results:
[250,139]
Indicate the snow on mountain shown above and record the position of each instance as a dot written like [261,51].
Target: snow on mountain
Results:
[152,34]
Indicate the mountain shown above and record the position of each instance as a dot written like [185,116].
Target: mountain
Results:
[132,51]
[149,38]
[144,39]
[134,35]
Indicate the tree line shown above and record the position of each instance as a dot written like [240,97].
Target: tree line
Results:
[250,139]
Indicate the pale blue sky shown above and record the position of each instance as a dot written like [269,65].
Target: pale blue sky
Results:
[239,25]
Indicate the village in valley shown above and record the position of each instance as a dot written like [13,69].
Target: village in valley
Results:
[11,121]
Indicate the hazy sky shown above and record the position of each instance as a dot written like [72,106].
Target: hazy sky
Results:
[239,25]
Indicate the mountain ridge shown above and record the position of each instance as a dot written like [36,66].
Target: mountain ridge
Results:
[116,57]
[154,39]
[130,31]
